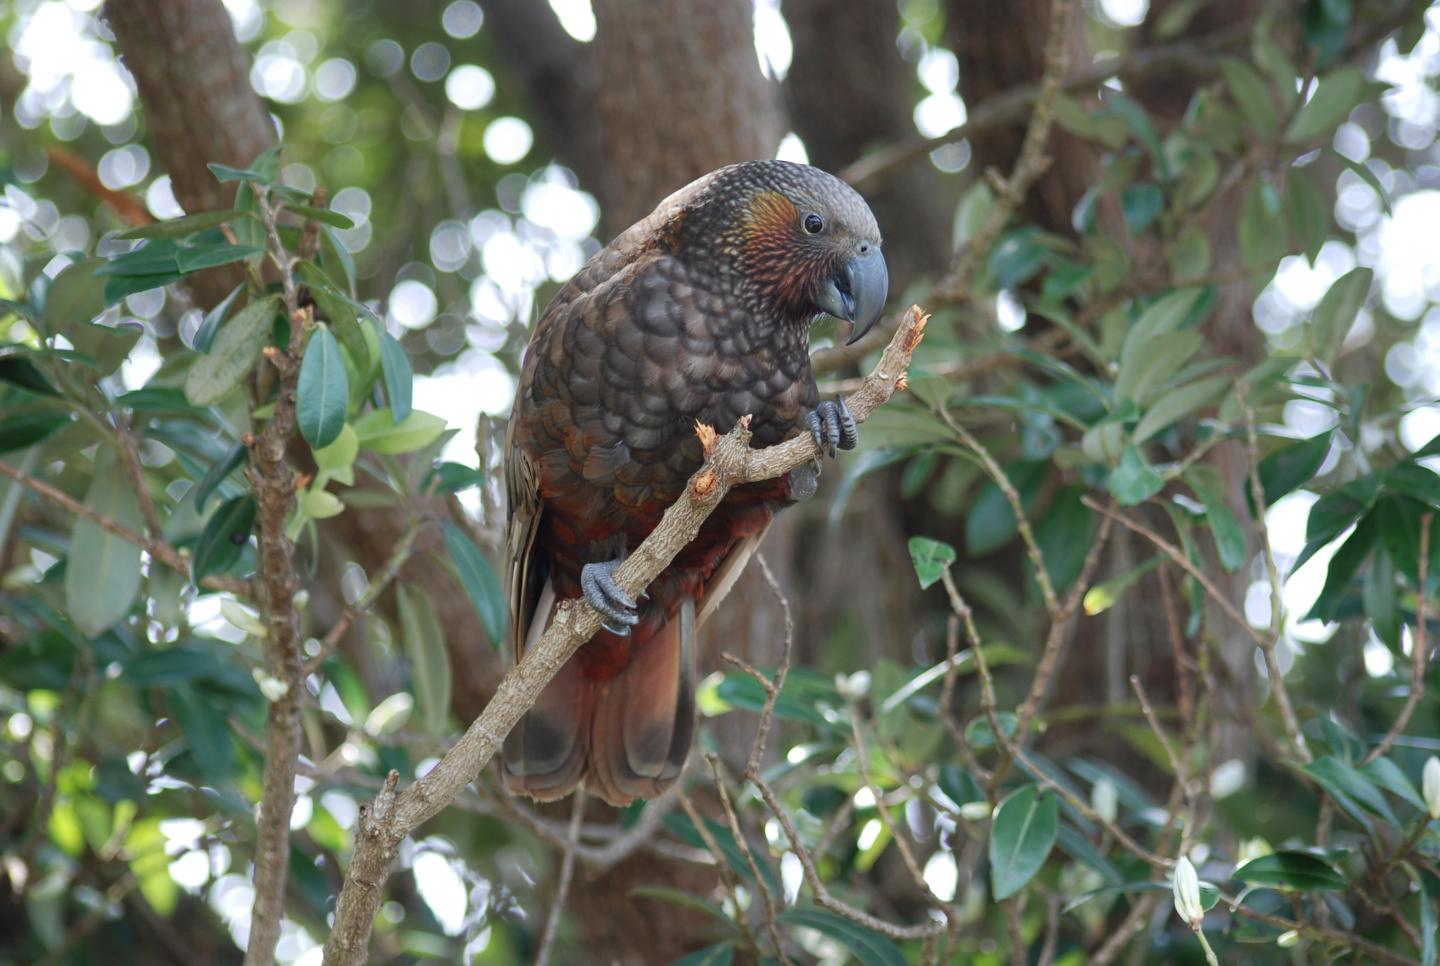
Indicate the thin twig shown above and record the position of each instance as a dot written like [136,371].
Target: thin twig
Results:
[562,887]
[767,900]
[156,548]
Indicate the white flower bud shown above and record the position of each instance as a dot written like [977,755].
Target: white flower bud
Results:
[1104,800]
[1186,886]
[272,687]
[241,617]
[1287,939]
[1430,783]
[975,811]
[854,687]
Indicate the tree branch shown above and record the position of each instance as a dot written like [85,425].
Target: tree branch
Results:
[729,462]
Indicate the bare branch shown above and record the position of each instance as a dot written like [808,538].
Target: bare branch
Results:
[562,887]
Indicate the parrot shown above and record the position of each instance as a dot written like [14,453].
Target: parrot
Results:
[698,313]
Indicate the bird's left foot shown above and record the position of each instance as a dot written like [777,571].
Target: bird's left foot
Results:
[617,608]
[831,425]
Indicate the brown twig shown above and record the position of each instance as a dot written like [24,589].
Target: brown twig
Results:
[562,887]
[766,899]
[155,547]
[729,461]
[274,483]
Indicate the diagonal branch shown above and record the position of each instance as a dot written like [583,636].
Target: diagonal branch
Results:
[729,462]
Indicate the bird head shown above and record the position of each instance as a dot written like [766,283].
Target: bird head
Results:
[803,241]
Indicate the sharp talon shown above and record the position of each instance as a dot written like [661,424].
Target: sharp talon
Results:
[849,431]
[812,420]
[617,631]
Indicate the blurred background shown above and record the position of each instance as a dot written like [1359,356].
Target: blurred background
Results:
[484,150]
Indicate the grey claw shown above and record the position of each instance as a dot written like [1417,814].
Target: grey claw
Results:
[812,420]
[804,480]
[849,432]
[615,606]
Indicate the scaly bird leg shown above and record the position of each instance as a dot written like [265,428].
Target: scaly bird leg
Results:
[597,582]
[831,425]
[804,480]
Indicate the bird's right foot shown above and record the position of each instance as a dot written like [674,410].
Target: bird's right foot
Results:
[616,608]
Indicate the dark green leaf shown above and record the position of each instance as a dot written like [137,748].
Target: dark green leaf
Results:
[206,731]
[1292,466]
[1064,534]
[23,430]
[451,478]
[170,666]
[1298,871]
[218,472]
[265,169]
[868,947]
[479,581]
[979,733]
[323,396]
[1387,774]
[720,954]
[1333,317]
[75,296]
[424,643]
[1252,96]
[180,227]
[1263,234]
[930,558]
[1343,566]
[991,523]
[205,335]
[322,215]
[1141,203]
[152,258]
[20,371]
[1335,775]
[1016,259]
[1309,213]
[194,258]
[1026,824]
[226,533]
[119,287]
[399,378]
[1382,606]
[959,785]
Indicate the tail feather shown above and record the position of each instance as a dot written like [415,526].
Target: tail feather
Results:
[644,717]
[626,737]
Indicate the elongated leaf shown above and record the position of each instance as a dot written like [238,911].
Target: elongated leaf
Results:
[218,472]
[1026,824]
[224,537]
[1299,871]
[1333,317]
[1252,95]
[681,898]
[1343,566]
[324,392]
[205,335]
[869,947]
[102,574]
[323,215]
[424,643]
[75,297]
[480,582]
[1334,774]
[1292,466]
[1209,895]
[1229,538]
[206,731]
[1335,97]
[1387,774]
[1180,403]
[20,371]
[192,258]
[23,430]
[215,375]
[1134,480]
[180,227]
[399,378]
[720,954]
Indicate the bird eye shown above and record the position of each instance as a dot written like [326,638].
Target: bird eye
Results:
[814,224]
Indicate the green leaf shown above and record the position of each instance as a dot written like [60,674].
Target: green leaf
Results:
[205,335]
[1381,601]
[1141,203]
[21,372]
[1102,597]
[225,535]
[75,297]
[1134,480]
[1229,537]
[218,472]
[23,430]
[981,736]
[1263,233]
[1064,535]
[186,225]
[337,461]
[379,432]
[1309,213]
[322,215]
[1296,871]
[1026,825]
[1177,404]
[193,258]
[479,580]
[424,644]
[264,169]
[1333,317]
[1292,466]
[720,954]
[1252,96]
[1335,97]
[1334,775]
[1429,927]
[679,898]
[399,378]
[930,558]
[1387,774]
[215,375]
[451,478]
[959,785]
[868,947]
[1362,171]
[679,825]
[102,573]
[990,522]
[1189,254]
[206,731]
[1209,895]
[1343,566]
[323,396]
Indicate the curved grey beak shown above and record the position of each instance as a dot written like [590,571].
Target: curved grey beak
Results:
[857,290]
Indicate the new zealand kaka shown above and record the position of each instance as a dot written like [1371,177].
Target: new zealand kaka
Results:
[701,311]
